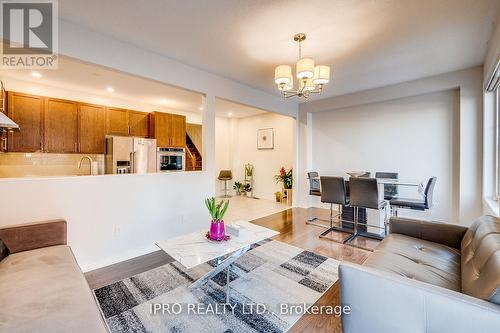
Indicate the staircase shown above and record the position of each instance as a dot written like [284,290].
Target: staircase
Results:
[193,156]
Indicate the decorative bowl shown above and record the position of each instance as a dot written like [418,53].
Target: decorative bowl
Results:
[225,238]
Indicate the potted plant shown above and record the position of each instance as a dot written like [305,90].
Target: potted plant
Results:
[238,187]
[284,177]
[246,188]
[278,196]
[217,211]
[249,170]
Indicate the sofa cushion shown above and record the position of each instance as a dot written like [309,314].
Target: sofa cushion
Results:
[418,259]
[481,259]
[44,290]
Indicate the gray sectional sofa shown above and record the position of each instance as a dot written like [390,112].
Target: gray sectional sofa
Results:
[427,277]
[42,288]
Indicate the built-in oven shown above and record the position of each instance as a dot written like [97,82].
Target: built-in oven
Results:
[171,159]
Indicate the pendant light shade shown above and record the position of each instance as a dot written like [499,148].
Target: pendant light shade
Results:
[321,74]
[283,74]
[305,68]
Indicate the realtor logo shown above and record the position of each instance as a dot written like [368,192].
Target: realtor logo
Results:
[29,34]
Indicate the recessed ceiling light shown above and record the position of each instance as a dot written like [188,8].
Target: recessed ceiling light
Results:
[110,89]
[36,74]
[201,108]
[229,114]
[163,101]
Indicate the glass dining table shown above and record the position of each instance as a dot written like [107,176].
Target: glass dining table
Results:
[376,219]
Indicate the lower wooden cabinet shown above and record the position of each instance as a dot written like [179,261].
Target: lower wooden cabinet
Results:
[61,126]
[91,129]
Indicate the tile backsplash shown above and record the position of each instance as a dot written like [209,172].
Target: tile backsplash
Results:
[45,164]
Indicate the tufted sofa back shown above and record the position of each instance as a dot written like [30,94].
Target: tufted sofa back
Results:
[481,259]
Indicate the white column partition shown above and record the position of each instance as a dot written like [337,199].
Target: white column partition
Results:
[209,139]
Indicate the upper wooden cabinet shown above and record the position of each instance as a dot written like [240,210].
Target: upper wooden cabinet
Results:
[159,129]
[54,125]
[169,130]
[61,126]
[91,129]
[27,112]
[117,122]
[178,130]
[139,123]
[127,122]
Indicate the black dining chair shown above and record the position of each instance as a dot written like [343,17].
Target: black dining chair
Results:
[390,190]
[314,183]
[333,191]
[315,190]
[422,204]
[364,194]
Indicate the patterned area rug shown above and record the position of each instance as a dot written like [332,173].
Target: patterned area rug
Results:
[268,280]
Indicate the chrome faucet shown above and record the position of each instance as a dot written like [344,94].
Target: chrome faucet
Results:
[90,161]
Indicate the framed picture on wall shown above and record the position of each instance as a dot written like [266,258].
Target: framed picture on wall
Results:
[265,138]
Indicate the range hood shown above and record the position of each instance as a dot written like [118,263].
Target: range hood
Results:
[6,124]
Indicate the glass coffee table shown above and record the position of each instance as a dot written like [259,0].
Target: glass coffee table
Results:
[194,249]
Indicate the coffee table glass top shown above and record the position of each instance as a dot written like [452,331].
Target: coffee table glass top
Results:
[194,249]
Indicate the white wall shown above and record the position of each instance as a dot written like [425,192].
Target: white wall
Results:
[470,100]
[413,136]
[238,146]
[223,147]
[114,217]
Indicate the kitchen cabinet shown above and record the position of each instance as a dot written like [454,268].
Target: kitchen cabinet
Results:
[27,111]
[139,123]
[55,125]
[178,130]
[91,129]
[127,122]
[169,130]
[60,126]
[117,122]
[159,129]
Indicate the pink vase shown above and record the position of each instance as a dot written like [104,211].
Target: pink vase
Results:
[217,230]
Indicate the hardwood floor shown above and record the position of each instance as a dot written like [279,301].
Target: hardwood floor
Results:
[293,230]
[110,274]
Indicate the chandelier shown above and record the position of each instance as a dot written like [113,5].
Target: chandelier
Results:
[310,78]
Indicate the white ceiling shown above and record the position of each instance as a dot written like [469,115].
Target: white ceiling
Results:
[229,109]
[368,43]
[94,80]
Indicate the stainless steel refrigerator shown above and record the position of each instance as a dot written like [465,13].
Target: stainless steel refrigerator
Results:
[130,154]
